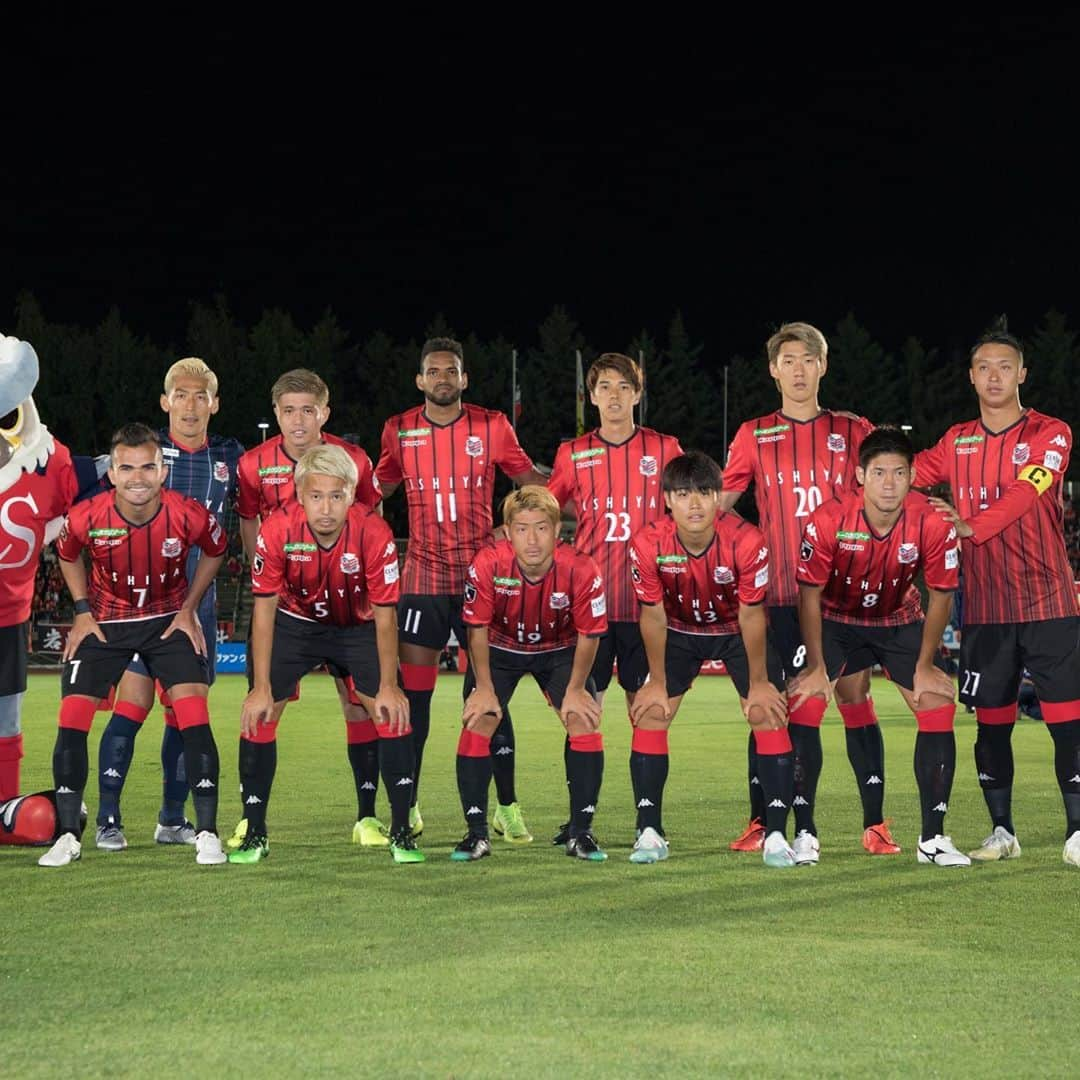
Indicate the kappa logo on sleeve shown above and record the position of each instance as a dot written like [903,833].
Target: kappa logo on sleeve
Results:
[1059,440]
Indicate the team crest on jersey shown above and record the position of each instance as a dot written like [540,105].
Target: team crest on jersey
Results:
[350,563]
[1021,453]
[723,575]
[170,547]
[836,443]
[908,553]
[474,446]
[221,471]
[647,465]
[559,600]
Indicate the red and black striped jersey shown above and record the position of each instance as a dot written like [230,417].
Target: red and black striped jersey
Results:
[1022,572]
[534,616]
[616,490]
[701,594]
[138,571]
[795,466]
[264,477]
[334,585]
[448,471]
[869,579]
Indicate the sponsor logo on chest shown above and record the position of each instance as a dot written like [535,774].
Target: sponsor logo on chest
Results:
[968,444]
[849,541]
[776,433]
[299,551]
[508,586]
[587,459]
[671,564]
[414,436]
[108,537]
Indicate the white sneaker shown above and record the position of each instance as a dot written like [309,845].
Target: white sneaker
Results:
[807,849]
[184,833]
[1071,854]
[208,849]
[110,837]
[777,852]
[649,847]
[941,851]
[66,850]
[1000,844]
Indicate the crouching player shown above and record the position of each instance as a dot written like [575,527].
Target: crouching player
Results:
[701,577]
[137,601]
[325,581]
[858,606]
[532,606]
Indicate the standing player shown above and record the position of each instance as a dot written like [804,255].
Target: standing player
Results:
[532,606]
[325,580]
[701,577]
[37,484]
[610,479]
[138,600]
[858,606]
[201,467]
[798,457]
[445,453]
[265,481]
[1020,608]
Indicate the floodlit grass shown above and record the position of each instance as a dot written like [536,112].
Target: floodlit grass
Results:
[328,959]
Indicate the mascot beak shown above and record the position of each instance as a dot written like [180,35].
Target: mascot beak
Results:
[11,426]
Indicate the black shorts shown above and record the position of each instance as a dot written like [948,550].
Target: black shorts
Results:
[850,648]
[551,670]
[208,622]
[993,657]
[786,635]
[13,658]
[686,653]
[97,665]
[427,620]
[621,645]
[301,646]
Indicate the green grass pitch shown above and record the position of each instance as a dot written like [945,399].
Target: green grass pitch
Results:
[331,960]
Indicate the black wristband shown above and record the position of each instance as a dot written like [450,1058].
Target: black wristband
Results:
[82,607]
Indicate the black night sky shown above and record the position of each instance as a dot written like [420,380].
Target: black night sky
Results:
[920,174]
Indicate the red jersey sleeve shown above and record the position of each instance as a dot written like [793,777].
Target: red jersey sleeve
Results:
[247,488]
[268,563]
[930,464]
[479,604]
[752,554]
[72,538]
[941,554]
[388,471]
[816,551]
[643,573]
[561,481]
[590,602]
[66,489]
[511,458]
[368,492]
[380,562]
[739,470]
[205,532]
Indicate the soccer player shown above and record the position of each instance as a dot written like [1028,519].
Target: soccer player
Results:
[301,403]
[610,480]
[798,457]
[138,600]
[201,467]
[1005,470]
[532,606]
[701,576]
[858,605]
[325,581]
[445,453]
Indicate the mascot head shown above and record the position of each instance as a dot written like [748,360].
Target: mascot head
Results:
[25,442]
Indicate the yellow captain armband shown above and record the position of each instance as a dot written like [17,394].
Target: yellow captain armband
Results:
[1038,477]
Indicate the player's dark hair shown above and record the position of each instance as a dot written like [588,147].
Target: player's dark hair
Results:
[442,344]
[135,434]
[614,361]
[694,471]
[885,440]
[998,337]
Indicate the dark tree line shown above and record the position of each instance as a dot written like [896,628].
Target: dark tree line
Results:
[93,379]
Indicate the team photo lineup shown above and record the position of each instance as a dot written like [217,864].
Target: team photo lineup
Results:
[865,551]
